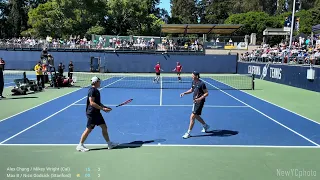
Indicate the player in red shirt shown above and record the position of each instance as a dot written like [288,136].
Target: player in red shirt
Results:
[178,69]
[158,69]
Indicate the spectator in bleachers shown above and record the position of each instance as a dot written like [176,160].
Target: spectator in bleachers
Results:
[75,42]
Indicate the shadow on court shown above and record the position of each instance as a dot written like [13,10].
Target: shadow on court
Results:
[134,144]
[14,97]
[219,133]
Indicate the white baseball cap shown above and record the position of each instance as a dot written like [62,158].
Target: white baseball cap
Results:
[94,79]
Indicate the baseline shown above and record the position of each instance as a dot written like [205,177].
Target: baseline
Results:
[173,145]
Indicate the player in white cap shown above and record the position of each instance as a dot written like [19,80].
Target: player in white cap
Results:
[94,116]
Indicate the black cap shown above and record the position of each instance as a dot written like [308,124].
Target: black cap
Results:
[196,73]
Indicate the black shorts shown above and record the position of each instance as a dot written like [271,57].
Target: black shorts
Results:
[39,77]
[95,120]
[158,73]
[197,108]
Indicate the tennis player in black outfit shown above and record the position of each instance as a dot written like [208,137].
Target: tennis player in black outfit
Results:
[2,63]
[94,116]
[200,93]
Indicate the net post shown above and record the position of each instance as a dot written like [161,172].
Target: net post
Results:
[252,81]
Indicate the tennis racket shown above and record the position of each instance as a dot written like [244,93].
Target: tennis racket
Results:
[124,103]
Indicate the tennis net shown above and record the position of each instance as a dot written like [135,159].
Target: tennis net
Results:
[10,76]
[167,81]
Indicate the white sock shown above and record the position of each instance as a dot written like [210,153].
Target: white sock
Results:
[205,125]
[81,144]
[189,131]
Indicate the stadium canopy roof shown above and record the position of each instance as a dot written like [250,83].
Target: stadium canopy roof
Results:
[221,29]
[276,32]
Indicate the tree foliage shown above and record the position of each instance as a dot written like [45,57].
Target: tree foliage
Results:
[62,18]
[256,22]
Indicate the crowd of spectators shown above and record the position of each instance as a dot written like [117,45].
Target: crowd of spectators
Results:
[113,43]
[302,52]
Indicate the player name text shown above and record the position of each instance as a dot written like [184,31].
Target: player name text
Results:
[39,175]
[38,169]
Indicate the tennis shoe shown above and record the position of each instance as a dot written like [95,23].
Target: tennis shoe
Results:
[186,135]
[112,145]
[82,148]
[205,128]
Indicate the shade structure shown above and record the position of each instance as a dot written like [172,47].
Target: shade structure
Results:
[222,29]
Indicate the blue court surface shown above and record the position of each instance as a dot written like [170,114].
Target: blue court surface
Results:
[236,119]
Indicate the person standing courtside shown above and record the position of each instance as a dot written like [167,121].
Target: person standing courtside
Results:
[2,64]
[70,70]
[39,74]
[94,116]
[200,93]
[60,69]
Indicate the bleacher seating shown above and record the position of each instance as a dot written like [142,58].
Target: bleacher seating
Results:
[300,53]
[105,42]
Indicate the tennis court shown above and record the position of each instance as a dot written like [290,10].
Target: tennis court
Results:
[250,138]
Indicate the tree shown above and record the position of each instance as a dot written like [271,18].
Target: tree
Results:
[16,17]
[184,11]
[217,12]
[61,18]
[253,22]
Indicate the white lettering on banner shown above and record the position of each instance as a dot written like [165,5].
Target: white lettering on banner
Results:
[275,73]
[254,70]
[264,71]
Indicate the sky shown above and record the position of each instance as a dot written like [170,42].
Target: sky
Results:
[165,4]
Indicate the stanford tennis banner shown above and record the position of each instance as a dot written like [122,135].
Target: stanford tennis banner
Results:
[305,77]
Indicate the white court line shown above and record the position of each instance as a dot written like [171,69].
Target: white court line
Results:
[274,104]
[263,114]
[161,91]
[283,108]
[174,145]
[178,105]
[38,105]
[54,114]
